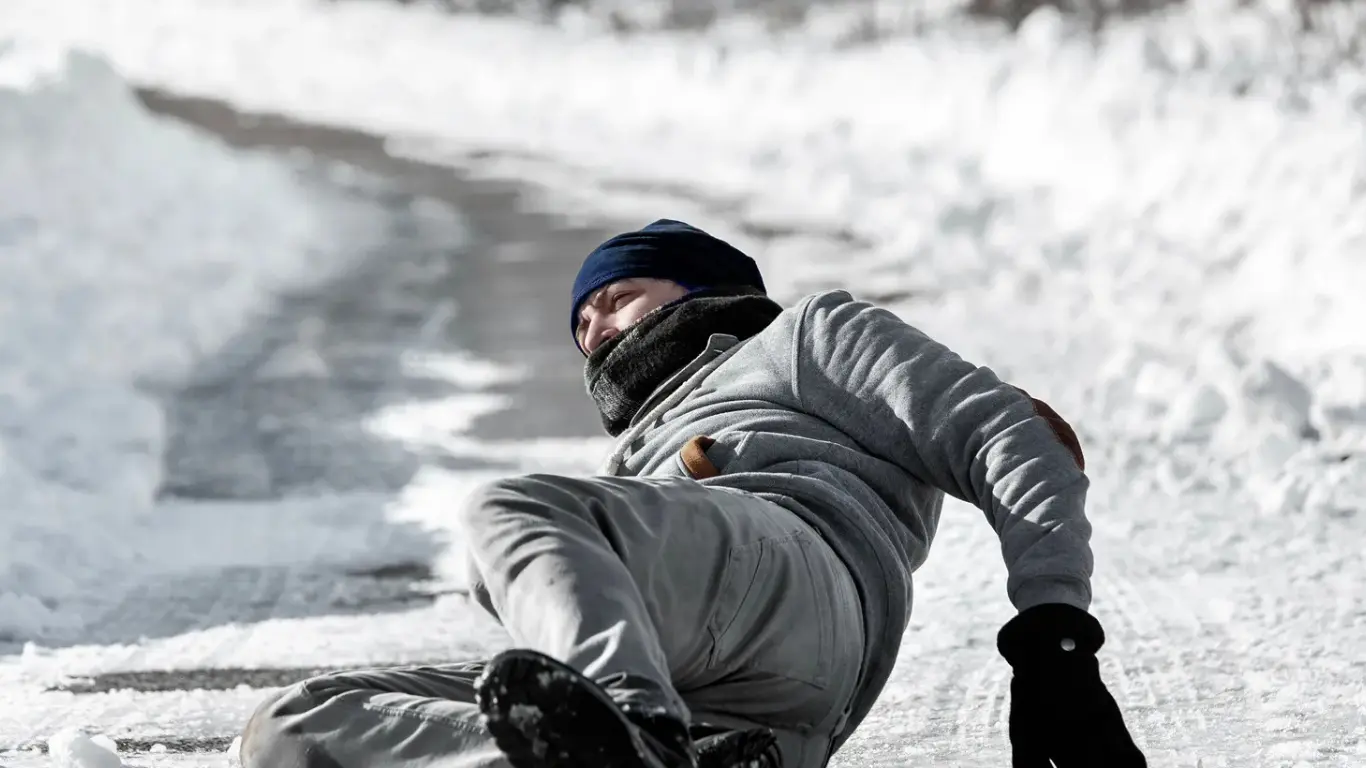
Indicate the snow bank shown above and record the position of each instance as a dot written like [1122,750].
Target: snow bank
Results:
[130,248]
[1181,206]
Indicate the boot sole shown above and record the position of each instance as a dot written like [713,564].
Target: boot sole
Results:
[544,714]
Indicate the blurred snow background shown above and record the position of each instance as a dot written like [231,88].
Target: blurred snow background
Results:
[1153,217]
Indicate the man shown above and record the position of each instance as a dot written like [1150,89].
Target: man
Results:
[733,586]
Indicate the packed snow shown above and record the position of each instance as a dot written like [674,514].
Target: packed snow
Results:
[72,748]
[1162,235]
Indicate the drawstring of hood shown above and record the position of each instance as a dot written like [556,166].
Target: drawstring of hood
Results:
[673,391]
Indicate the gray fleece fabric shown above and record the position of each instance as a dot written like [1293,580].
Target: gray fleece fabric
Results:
[860,423]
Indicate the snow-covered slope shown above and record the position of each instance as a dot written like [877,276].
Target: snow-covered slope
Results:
[1162,236]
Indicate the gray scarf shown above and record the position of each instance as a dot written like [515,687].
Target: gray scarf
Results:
[625,370]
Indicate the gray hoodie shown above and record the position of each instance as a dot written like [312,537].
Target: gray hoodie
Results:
[860,424]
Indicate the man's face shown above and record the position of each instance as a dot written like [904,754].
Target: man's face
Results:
[616,306]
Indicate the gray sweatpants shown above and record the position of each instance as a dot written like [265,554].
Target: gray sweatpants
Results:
[718,605]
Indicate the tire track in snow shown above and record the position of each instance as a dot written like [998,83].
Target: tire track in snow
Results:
[947,699]
[996,716]
[974,709]
[1171,628]
[1148,654]
[1155,655]
[982,709]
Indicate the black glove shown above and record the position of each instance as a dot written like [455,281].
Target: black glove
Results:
[1059,708]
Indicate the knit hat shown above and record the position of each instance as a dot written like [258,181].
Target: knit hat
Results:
[666,250]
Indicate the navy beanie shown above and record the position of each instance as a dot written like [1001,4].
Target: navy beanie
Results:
[666,250]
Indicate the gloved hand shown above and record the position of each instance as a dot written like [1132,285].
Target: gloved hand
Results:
[1059,707]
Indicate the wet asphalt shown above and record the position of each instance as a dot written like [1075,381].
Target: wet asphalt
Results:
[244,431]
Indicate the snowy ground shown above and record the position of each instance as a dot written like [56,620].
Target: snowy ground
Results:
[1162,237]
[130,250]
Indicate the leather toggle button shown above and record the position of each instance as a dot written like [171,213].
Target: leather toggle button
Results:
[694,455]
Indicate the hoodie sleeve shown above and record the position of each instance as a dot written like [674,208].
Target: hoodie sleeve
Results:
[911,401]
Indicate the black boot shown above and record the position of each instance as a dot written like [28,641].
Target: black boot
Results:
[751,748]
[544,714]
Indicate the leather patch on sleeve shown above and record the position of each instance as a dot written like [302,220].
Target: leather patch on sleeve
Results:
[694,455]
[1061,429]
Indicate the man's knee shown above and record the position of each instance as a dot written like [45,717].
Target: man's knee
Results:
[271,738]
[519,504]
[533,496]
[277,735]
